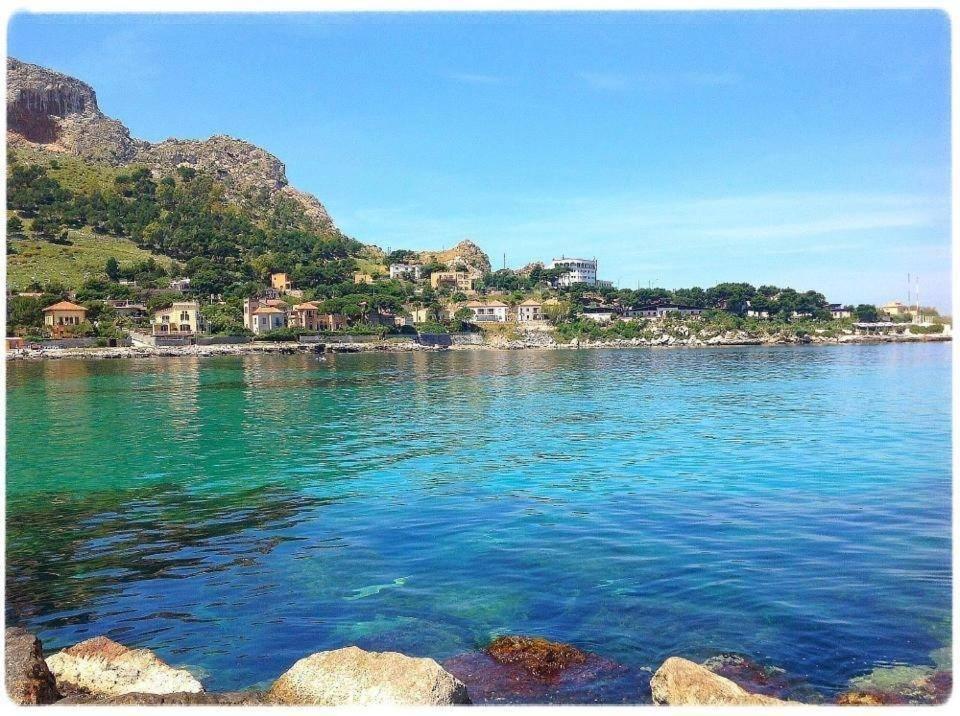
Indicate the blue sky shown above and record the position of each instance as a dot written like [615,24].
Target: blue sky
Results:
[804,149]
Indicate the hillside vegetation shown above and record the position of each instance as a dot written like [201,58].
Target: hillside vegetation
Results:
[68,215]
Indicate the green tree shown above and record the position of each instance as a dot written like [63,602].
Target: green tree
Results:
[112,269]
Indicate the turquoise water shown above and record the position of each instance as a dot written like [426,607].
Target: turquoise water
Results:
[235,514]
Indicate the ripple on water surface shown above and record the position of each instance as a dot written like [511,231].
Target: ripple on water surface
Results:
[791,504]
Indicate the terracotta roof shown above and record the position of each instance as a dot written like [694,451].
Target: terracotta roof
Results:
[531,302]
[64,306]
[487,304]
[275,302]
[305,307]
[266,309]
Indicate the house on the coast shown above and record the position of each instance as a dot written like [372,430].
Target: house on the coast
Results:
[304,315]
[487,312]
[61,318]
[838,310]
[895,308]
[529,311]
[128,309]
[601,314]
[181,319]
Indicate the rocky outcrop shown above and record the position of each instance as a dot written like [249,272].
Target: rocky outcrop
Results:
[679,682]
[102,667]
[352,676]
[28,679]
[464,256]
[60,114]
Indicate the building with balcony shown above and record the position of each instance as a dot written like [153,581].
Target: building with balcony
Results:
[183,318]
[578,271]
[487,312]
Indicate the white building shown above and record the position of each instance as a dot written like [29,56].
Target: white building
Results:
[580,271]
[600,314]
[180,284]
[529,311]
[491,311]
[260,316]
[410,272]
[267,318]
[661,311]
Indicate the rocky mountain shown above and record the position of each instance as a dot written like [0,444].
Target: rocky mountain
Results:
[466,254]
[58,113]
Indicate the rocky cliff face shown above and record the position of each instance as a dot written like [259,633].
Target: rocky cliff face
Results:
[465,255]
[60,114]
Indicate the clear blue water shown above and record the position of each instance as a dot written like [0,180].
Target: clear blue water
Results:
[236,514]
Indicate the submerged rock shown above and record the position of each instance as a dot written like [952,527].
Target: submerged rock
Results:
[679,682]
[900,685]
[102,667]
[761,679]
[352,676]
[541,658]
[868,698]
[28,678]
[594,681]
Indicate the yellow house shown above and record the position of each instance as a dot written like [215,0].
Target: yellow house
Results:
[62,316]
[422,315]
[360,277]
[280,282]
[183,318]
[895,308]
[457,280]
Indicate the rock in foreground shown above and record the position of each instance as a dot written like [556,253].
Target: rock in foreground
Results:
[679,682]
[352,676]
[102,667]
[28,679]
[543,659]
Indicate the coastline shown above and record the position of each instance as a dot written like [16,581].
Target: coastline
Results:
[737,338]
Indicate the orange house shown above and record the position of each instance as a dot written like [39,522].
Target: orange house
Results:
[62,317]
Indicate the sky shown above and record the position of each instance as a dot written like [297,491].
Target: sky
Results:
[804,149]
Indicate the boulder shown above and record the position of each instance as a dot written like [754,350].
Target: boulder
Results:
[102,667]
[679,682]
[541,658]
[352,676]
[29,681]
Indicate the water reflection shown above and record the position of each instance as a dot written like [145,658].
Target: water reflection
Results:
[637,503]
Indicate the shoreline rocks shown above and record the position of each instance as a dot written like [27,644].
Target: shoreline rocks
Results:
[102,667]
[28,679]
[510,670]
[352,676]
[534,341]
[679,682]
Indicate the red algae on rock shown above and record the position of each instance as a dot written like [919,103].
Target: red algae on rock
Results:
[543,659]
[595,681]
